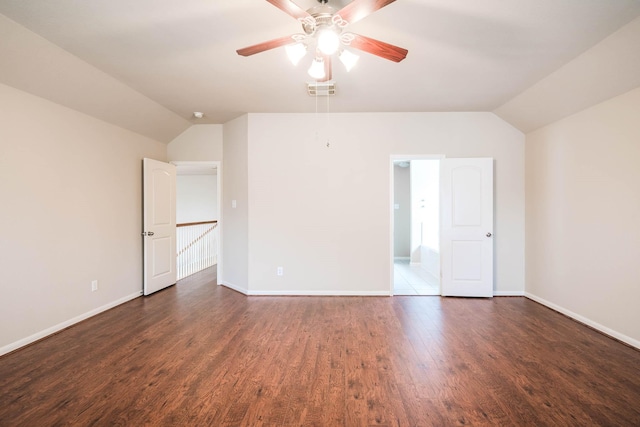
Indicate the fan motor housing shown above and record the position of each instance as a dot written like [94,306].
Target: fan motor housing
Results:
[322,16]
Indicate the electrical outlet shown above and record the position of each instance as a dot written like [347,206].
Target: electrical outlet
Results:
[280,271]
[94,285]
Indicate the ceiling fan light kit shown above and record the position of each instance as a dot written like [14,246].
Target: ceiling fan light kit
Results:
[328,41]
[348,59]
[317,69]
[296,52]
[323,35]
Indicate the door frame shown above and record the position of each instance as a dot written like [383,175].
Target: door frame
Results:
[218,165]
[393,158]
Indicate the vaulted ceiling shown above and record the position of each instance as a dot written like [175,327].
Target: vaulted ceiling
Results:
[463,55]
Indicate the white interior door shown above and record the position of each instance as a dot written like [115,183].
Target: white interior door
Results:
[467,227]
[159,225]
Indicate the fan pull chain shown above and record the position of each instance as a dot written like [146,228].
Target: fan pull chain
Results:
[317,119]
[328,124]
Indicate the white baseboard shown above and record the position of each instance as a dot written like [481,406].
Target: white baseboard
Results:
[597,326]
[327,293]
[303,293]
[508,293]
[60,326]
[234,287]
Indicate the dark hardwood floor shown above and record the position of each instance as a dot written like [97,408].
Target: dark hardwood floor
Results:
[199,354]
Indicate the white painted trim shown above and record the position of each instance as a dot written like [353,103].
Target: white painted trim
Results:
[178,163]
[508,293]
[617,335]
[305,293]
[391,225]
[416,157]
[234,287]
[220,225]
[60,326]
[328,293]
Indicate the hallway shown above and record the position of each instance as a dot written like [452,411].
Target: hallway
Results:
[413,280]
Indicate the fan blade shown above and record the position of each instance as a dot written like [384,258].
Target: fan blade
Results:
[358,9]
[290,8]
[376,47]
[327,69]
[261,47]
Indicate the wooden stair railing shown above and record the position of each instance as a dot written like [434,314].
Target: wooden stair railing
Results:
[196,247]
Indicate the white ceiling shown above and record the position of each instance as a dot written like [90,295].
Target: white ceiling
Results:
[464,55]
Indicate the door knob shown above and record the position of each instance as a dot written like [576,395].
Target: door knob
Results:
[150,233]
[488,234]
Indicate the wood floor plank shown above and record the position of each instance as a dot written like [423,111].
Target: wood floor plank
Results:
[199,354]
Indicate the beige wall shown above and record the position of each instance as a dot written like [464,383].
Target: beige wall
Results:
[402,215]
[33,64]
[70,187]
[583,216]
[324,214]
[198,143]
[196,198]
[608,69]
[233,270]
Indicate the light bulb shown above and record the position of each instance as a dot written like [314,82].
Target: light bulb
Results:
[317,69]
[328,41]
[348,59]
[296,52]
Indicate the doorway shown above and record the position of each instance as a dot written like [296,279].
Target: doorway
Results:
[416,225]
[197,216]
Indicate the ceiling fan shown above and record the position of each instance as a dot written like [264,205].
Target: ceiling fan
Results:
[324,35]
